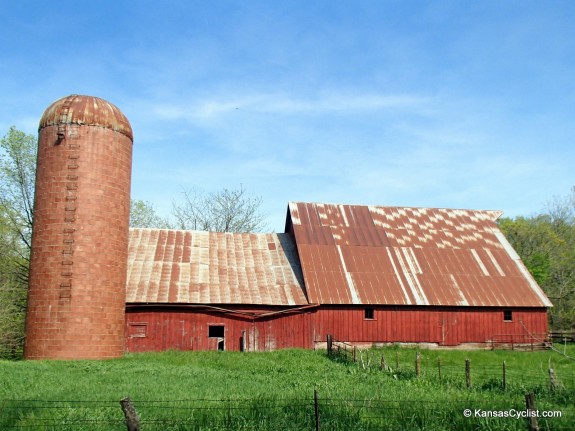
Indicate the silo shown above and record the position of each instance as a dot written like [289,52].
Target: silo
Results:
[78,264]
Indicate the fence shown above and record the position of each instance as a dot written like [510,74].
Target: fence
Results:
[342,349]
[463,374]
[525,341]
[484,389]
[562,336]
[313,413]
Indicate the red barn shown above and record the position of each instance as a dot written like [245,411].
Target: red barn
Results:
[207,290]
[362,274]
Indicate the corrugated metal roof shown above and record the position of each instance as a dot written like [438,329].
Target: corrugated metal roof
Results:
[86,110]
[170,266]
[408,256]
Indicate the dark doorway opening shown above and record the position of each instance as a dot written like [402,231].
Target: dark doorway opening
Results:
[217,331]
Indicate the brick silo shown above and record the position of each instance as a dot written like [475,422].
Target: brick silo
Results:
[78,263]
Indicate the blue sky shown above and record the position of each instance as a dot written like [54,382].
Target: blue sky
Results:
[451,104]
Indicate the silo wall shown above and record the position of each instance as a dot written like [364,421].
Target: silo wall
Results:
[76,302]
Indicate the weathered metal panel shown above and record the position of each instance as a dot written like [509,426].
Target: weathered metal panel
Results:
[86,111]
[409,256]
[168,266]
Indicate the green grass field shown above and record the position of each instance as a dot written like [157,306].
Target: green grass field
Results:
[275,390]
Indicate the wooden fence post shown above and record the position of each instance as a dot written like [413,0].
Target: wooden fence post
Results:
[439,368]
[229,414]
[552,380]
[417,364]
[354,354]
[504,381]
[132,419]
[468,373]
[383,364]
[316,408]
[531,412]
[396,360]
[243,345]
[329,344]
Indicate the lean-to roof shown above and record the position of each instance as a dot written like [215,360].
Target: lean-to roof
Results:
[189,267]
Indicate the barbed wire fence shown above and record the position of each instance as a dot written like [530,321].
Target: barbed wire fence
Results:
[468,374]
[547,390]
[313,413]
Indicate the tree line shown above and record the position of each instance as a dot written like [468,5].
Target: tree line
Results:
[545,242]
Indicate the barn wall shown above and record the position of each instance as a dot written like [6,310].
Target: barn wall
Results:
[162,329]
[157,330]
[444,326]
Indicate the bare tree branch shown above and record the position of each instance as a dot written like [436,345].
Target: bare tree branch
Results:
[229,210]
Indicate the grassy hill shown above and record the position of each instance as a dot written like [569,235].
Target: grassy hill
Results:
[275,390]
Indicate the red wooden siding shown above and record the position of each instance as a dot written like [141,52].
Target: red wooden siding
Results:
[157,330]
[162,329]
[444,326]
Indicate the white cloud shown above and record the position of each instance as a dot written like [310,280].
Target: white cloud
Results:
[277,103]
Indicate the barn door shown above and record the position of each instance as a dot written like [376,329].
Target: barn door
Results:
[448,329]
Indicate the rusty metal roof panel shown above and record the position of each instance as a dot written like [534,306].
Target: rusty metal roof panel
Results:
[86,110]
[408,256]
[169,266]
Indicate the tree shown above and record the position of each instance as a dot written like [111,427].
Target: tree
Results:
[546,244]
[223,211]
[17,177]
[143,214]
[561,285]
[534,241]
[12,296]
[17,181]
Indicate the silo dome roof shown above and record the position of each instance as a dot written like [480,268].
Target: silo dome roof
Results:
[88,111]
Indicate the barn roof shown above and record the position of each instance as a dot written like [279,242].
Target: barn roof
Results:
[408,256]
[177,267]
